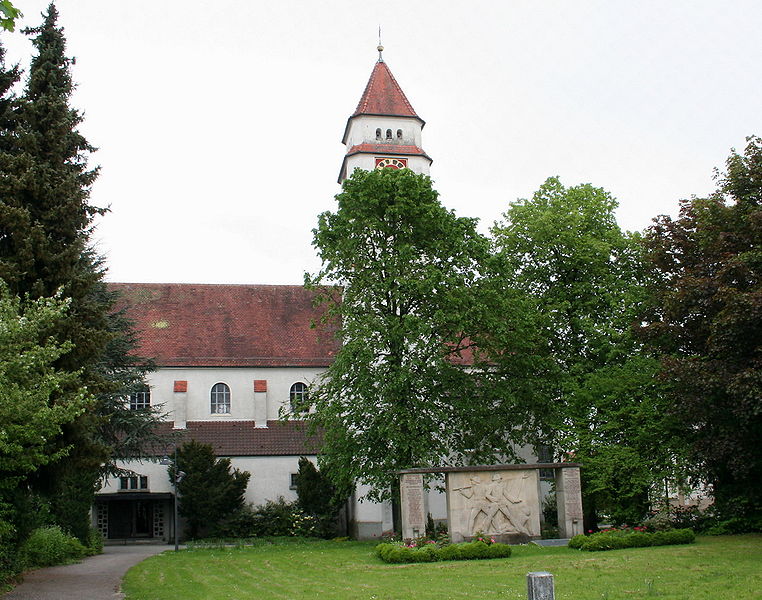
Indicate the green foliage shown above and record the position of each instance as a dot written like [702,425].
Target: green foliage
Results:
[46,219]
[8,15]
[28,385]
[50,546]
[735,525]
[94,543]
[239,523]
[209,490]
[318,497]
[275,518]
[564,248]
[618,539]
[410,292]
[705,320]
[478,549]
[281,518]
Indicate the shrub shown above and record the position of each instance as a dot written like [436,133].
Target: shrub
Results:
[240,523]
[660,521]
[616,539]
[396,553]
[94,542]
[304,525]
[9,559]
[733,526]
[273,518]
[451,552]
[48,546]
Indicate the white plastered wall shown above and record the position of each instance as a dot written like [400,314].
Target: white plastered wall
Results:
[270,477]
[362,130]
[241,384]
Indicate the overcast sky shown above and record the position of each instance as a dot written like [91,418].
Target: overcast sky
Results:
[219,123]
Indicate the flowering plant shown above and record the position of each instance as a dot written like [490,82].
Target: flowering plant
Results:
[481,537]
[621,530]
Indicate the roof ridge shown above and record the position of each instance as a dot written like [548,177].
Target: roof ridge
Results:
[185,283]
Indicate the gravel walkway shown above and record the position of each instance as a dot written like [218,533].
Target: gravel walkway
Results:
[95,578]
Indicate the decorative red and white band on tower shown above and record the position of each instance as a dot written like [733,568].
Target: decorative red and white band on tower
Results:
[384,130]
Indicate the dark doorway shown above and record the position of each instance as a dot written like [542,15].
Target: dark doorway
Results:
[130,519]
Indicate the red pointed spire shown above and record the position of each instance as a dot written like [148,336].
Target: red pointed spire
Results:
[383,95]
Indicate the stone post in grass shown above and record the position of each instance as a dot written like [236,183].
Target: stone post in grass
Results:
[540,586]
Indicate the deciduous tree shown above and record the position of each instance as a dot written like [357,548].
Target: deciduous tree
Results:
[418,380]
[28,384]
[30,418]
[564,248]
[706,321]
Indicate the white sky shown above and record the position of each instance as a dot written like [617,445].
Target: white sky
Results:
[219,123]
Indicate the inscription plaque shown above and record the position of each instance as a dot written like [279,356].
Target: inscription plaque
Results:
[413,510]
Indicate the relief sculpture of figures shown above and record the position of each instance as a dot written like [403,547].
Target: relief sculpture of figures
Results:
[500,511]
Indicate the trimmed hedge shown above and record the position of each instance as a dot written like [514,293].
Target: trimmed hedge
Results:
[394,553]
[611,541]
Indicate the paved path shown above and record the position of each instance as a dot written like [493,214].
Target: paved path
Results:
[95,578]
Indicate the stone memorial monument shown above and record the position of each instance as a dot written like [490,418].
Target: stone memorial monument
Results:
[501,504]
[499,501]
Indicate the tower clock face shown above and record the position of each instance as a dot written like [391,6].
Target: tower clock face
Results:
[392,163]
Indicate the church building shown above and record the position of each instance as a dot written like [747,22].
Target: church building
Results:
[232,358]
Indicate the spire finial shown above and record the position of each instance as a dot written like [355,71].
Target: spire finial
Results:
[380,47]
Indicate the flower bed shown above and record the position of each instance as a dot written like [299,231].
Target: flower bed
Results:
[614,539]
[430,551]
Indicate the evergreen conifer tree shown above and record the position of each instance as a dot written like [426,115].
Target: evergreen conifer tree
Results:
[210,488]
[46,219]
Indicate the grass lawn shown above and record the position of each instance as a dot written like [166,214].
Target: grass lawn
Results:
[713,567]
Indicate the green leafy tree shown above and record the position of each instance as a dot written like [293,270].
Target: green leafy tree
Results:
[28,384]
[209,490]
[564,248]
[29,418]
[706,321]
[8,15]
[45,224]
[407,285]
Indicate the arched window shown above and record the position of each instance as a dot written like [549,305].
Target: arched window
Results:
[299,397]
[399,133]
[220,399]
[388,134]
[140,399]
[378,133]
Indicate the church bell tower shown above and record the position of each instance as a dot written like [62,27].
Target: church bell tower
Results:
[384,130]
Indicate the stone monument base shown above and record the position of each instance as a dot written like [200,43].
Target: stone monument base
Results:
[504,538]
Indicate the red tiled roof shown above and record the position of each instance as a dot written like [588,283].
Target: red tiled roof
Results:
[202,325]
[396,149]
[241,438]
[383,95]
